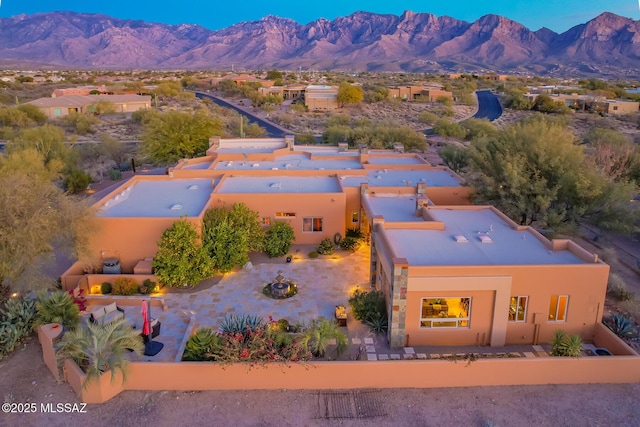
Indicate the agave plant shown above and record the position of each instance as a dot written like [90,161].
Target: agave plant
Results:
[316,337]
[16,323]
[566,346]
[98,348]
[240,323]
[57,307]
[202,342]
[620,325]
[377,322]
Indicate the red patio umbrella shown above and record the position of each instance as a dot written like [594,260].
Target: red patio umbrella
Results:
[146,321]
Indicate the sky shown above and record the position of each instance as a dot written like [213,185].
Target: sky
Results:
[557,15]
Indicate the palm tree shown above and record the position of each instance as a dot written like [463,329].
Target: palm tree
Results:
[317,337]
[98,348]
[57,307]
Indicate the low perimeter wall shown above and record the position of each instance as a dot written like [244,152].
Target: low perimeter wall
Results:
[623,368]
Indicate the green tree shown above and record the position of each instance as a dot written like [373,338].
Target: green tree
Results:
[76,181]
[168,88]
[79,123]
[47,140]
[229,235]
[34,113]
[35,215]
[115,150]
[449,129]
[306,138]
[456,158]
[445,100]
[278,239]
[545,104]
[349,94]
[103,106]
[428,118]
[181,261]
[12,117]
[534,173]
[274,75]
[376,94]
[176,135]
[98,348]
[479,128]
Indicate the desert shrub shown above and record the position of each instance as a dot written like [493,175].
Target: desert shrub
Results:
[77,295]
[57,307]
[369,307]
[105,288]
[76,181]
[354,232]
[115,174]
[620,325]
[306,139]
[377,323]
[282,325]
[124,286]
[147,287]
[326,247]
[617,288]
[428,118]
[631,309]
[16,323]
[349,243]
[201,344]
[566,345]
[278,239]
[313,254]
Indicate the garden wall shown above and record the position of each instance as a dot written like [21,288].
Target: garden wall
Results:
[364,374]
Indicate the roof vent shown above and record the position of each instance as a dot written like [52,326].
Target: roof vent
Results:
[460,238]
[274,169]
[485,239]
[193,187]
[176,207]
[275,185]
[255,165]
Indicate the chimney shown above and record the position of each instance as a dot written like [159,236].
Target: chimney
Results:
[289,141]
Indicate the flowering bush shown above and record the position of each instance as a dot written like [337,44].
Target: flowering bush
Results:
[261,345]
[78,298]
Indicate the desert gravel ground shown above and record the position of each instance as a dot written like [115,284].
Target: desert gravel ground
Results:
[24,378]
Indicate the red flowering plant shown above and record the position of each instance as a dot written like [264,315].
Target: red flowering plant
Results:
[253,342]
[78,298]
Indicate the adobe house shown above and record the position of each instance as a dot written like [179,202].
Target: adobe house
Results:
[468,275]
[68,104]
[415,93]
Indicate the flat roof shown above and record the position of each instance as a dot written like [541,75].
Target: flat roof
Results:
[279,184]
[290,162]
[395,160]
[504,245]
[395,208]
[159,198]
[325,151]
[197,166]
[250,145]
[401,178]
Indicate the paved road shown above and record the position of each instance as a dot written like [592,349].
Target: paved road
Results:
[273,131]
[488,106]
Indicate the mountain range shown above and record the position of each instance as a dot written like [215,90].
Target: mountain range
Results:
[416,42]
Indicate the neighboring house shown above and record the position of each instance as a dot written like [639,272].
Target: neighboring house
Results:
[321,97]
[593,103]
[81,90]
[452,273]
[65,105]
[414,93]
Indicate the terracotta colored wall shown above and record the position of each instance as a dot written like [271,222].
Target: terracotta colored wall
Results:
[352,375]
[129,239]
[585,285]
[603,337]
[329,206]
[449,195]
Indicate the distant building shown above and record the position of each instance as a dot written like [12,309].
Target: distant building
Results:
[415,93]
[65,105]
[321,97]
[598,104]
[81,90]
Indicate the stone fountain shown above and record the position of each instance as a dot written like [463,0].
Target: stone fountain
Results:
[281,287]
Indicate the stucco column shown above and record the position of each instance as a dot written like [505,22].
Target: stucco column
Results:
[399,285]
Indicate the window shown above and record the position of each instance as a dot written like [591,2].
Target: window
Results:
[518,309]
[558,308]
[354,216]
[266,220]
[57,111]
[312,224]
[285,214]
[445,312]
